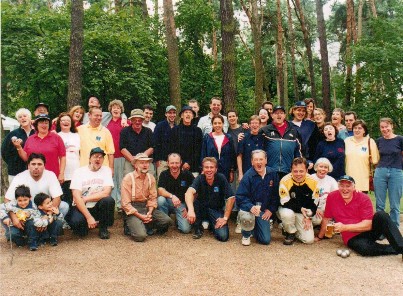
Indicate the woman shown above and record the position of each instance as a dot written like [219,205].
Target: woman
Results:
[357,155]
[77,114]
[388,174]
[219,145]
[319,116]
[326,184]
[310,107]
[337,119]
[47,143]
[15,164]
[68,132]
[264,117]
[333,149]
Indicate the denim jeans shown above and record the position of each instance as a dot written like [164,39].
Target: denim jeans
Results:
[261,231]
[20,237]
[203,213]
[389,180]
[166,206]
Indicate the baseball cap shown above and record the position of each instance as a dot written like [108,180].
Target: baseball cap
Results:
[136,113]
[42,116]
[247,220]
[299,104]
[96,150]
[278,108]
[185,108]
[169,108]
[42,104]
[346,178]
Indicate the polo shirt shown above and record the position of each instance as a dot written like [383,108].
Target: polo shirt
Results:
[51,146]
[177,186]
[162,137]
[358,209]
[136,142]
[91,137]
[213,196]
[115,128]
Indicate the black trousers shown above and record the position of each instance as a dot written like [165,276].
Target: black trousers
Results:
[365,243]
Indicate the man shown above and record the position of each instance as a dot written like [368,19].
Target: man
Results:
[257,198]
[357,223]
[135,139]
[213,193]
[106,116]
[186,140]
[92,202]
[282,142]
[38,179]
[349,118]
[268,106]
[172,186]
[299,197]
[194,104]
[94,134]
[205,122]
[162,138]
[41,108]
[139,202]
[148,115]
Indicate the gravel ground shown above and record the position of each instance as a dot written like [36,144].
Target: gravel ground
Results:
[175,264]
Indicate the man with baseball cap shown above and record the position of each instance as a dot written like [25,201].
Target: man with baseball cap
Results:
[357,223]
[139,202]
[41,108]
[135,139]
[93,205]
[162,139]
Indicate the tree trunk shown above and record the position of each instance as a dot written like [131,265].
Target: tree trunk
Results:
[228,53]
[144,9]
[173,54]
[307,41]
[324,61]
[214,49]
[76,53]
[279,59]
[349,38]
[373,8]
[358,83]
[291,39]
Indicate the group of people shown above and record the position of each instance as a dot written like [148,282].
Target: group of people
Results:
[78,168]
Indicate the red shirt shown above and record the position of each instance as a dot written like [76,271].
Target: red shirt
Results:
[115,127]
[281,129]
[358,209]
[51,146]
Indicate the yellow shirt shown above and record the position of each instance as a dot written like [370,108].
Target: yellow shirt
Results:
[357,160]
[91,137]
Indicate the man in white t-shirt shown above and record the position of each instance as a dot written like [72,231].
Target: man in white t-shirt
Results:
[38,180]
[92,202]
[205,122]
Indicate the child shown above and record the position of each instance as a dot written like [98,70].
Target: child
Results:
[50,218]
[26,213]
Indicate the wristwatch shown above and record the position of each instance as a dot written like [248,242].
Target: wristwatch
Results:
[225,218]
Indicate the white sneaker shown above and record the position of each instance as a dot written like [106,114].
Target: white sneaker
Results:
[245,241]
[238,228]
[205,225]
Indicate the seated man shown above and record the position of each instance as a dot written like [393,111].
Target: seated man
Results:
[357,223]
[257,197]
[213,193]
[172,186]
[92,202]
[139,201]
[299,198]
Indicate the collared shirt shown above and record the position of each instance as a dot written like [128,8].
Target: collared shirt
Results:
[115,127]
[177,186]
[144,191]
[206,126]
[136,142]
[91,137]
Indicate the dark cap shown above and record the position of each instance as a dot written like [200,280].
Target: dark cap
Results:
[278,108]
[185,108]
[299,104]
[42,116]
[346,178]
[42,104]
[97,150]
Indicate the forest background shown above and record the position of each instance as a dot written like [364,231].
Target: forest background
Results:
[164,52]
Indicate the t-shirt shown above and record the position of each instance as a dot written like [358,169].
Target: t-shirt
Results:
[358,209]
[72,144]
[115,127]
[89,182]
[51,146]
[177,186]
[213,196]
[390,151]
[325,185]
[47,184]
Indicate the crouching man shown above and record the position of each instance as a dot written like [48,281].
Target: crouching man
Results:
[139,202]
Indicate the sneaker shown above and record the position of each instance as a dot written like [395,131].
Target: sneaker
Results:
[33,248]
[238,228]
[245,241]
[66,226]
[150,231]
[162,230]
[104,233]
[271,224]
[289,239]
[53,241]
[198,233]
[205,225]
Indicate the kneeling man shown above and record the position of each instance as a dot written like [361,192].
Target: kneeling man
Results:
[257,197]
[213,194]
[139,201]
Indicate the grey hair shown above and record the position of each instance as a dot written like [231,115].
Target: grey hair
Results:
[22,111]
[323,160]
[258,151]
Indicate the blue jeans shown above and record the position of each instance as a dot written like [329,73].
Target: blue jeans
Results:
[166,206]
[262,231]
[20,237]
[389,180]
[221,234]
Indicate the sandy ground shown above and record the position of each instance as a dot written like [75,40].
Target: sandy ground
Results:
[176,264]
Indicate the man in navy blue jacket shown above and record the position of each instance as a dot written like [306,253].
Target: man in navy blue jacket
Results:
[258,199]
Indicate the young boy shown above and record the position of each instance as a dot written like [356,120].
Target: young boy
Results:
[25,212]
[50,220]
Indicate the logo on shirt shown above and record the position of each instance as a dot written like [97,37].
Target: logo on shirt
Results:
[271,183]
[98,138]
[183,183]
[216,189]
[364,149]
